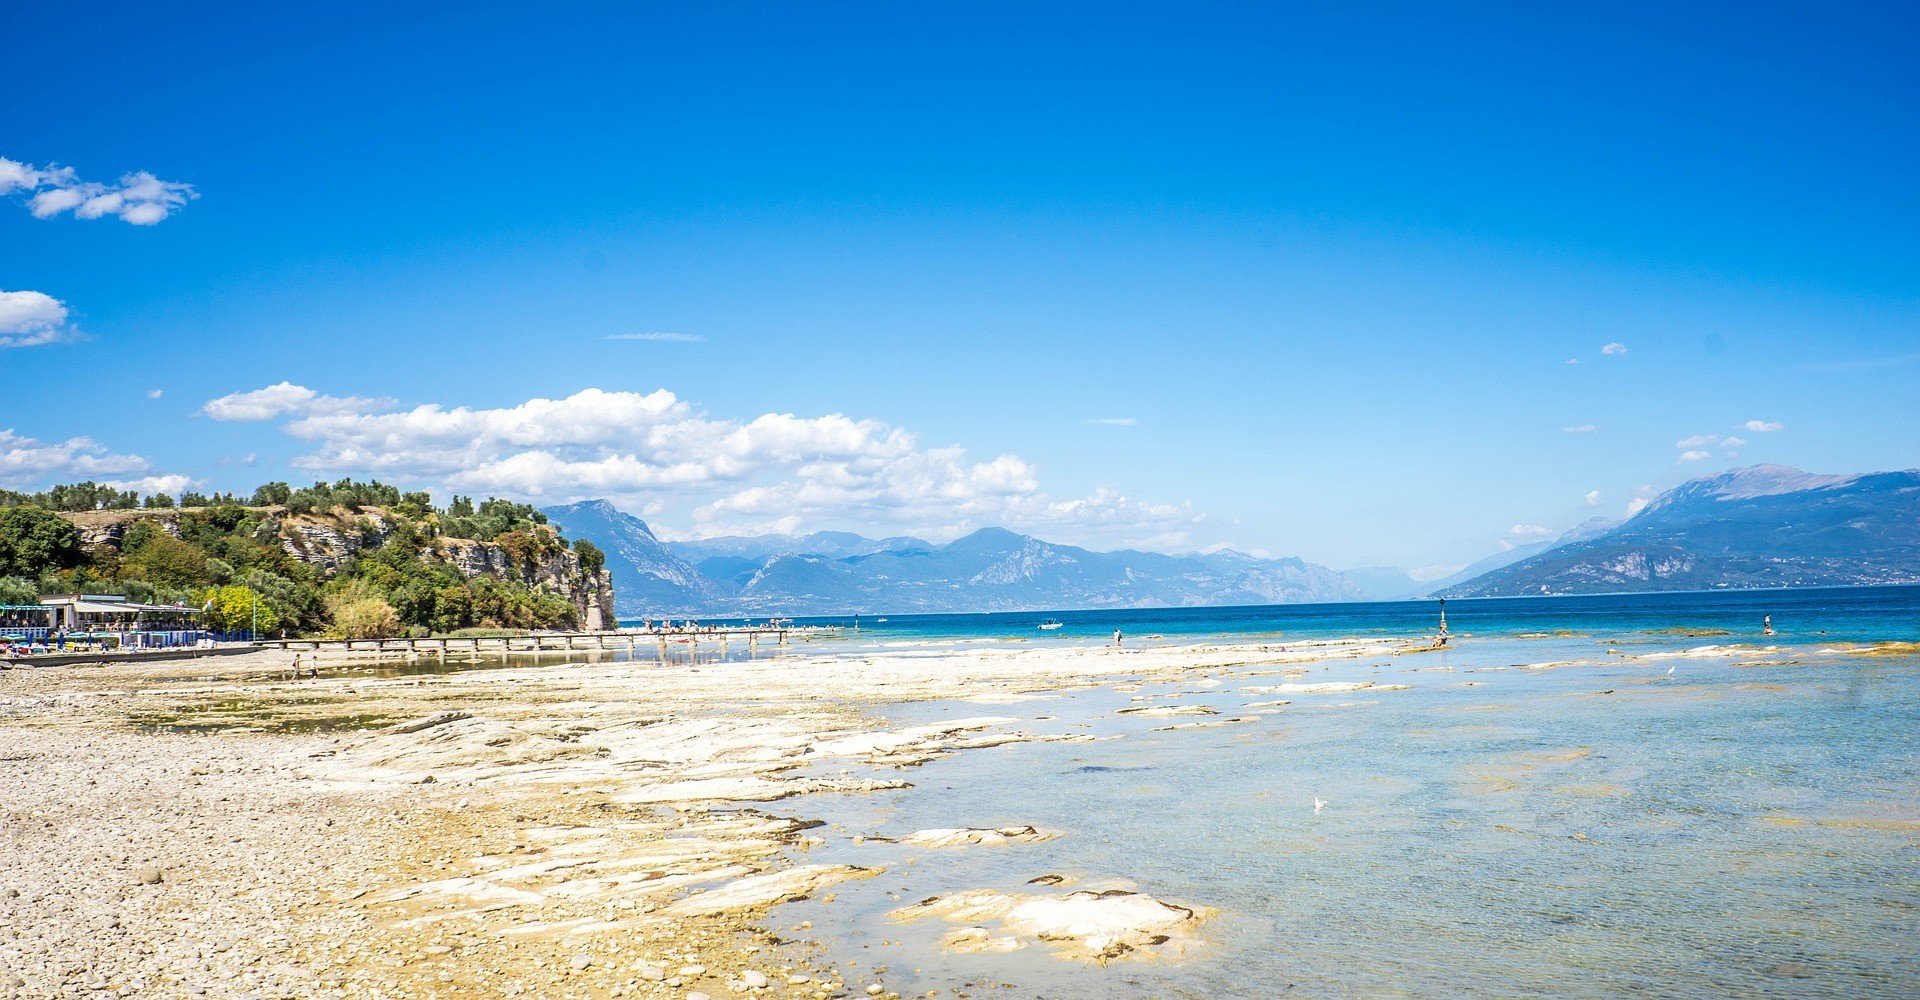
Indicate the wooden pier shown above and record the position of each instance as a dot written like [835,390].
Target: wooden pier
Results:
[548,642]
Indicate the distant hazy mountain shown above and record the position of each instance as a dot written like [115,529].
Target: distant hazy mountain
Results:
[833,544]
[990,570]
[1383,583]
[1763,526]
[646,574]
[1585,529]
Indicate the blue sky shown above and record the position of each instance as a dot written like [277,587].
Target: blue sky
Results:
[1306,281]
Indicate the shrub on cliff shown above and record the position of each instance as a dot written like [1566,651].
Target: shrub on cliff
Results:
[357,611]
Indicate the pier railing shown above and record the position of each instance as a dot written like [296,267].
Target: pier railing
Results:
[538,642]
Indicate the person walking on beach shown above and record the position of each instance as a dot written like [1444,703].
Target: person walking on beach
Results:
[1116,639]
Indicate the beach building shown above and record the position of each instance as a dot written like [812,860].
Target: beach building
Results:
[106,618]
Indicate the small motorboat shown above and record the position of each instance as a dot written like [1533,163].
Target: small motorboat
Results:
[1048,626]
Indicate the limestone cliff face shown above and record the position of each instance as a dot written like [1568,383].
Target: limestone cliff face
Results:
[107,528]
[331,539]
[557,572]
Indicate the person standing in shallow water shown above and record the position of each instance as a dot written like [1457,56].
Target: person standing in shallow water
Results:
[1766,625]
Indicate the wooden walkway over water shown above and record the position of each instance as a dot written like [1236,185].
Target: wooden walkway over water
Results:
[548,642]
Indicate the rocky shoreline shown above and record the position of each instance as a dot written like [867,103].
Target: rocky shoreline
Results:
[598,829]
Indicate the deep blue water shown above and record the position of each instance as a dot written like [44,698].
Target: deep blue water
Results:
[1799,616]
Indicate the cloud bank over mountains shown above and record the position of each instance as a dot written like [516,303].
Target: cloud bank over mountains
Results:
[654,452]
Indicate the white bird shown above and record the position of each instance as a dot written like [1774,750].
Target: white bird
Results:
[1670,670]
[1318,804]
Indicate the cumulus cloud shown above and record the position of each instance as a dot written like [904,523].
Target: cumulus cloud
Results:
[281,400]
[1764,426]
[1696,441]
[139,198]
[171,483]
[1571,361]
[1593,498]
[661,338]
[1637,504]
[1693,456]
[1614,348]
[26,461]
[30,319]
[1579,429]
[1530,532]
[1112,421]
[776,471]
[1734,442]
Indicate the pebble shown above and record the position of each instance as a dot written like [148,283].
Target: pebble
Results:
[753,980]
[651,974]
[149,875]
[582,961]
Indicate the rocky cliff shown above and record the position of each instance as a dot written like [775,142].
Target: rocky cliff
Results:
[331,539]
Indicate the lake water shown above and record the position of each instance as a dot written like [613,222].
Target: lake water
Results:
[1628,820]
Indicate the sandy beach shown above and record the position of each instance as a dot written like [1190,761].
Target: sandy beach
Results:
[587,829]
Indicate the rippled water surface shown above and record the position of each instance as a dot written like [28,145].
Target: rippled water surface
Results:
[1558,805]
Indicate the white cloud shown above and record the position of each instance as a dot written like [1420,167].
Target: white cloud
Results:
[1696,441]
[1571,361]
[282,400]
[1734,442]
[1579,429]
[661,338]
[776,471]
[1530,532]
[1764,426]
[1614,348]
[30,319]
[139,198]
[171,483]
[1593,498]
[1693,456]
[26,462]
[155,393]
[1112,421]
[1637,504]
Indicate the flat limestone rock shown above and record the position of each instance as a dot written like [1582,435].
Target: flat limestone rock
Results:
[1327,687]
[756,891]
[1162,711]
[1079,926]
[970,837]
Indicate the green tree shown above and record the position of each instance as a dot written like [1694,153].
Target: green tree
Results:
[236,608]
[163,560]
[359,612]
[34,540]
[591,558]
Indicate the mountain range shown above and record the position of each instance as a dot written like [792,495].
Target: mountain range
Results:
[1760,526]
[992,569]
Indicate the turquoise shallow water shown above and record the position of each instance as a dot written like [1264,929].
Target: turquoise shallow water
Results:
[1743,824]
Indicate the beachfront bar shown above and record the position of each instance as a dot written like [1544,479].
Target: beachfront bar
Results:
[100,620]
